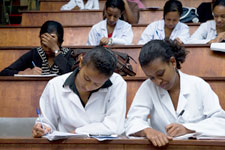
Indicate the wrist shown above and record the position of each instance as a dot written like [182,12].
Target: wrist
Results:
[110,41]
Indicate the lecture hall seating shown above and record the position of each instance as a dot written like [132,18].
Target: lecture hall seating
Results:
[56,4]
[73,35]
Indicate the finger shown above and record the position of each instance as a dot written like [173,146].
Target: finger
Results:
[153,140]
[158,141]
[175,132]
[171,130]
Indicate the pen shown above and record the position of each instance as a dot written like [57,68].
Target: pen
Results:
[34,64]
[181,113]
[39,116]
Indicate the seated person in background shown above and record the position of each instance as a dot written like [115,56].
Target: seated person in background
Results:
[177,103]
[212,31]
[91,99]
[91,4]
[50,58]
[112,30]
[131,13]
[204,11]
[168,28]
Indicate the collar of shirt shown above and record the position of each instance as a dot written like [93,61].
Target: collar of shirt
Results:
[70,82]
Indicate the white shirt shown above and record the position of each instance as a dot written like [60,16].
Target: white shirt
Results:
[156,30]
[204,33]
[202,111]
[104,112]
[122,34]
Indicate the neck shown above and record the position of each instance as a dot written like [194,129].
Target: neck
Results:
[176,86]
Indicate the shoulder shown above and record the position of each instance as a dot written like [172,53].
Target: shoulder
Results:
[99,24]
[183,25]
[59,80]
[123,23]
[117,79]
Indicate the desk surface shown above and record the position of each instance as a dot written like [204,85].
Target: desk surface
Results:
[120,144]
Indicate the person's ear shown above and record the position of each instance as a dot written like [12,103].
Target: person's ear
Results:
[173,61]
[81,62]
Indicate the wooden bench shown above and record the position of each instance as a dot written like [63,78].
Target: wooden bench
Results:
[56,4]
[200,61]
[80,17]
[73,35]
[20,96]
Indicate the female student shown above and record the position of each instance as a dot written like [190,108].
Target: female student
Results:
[212,31]
[112,30]
[49,58]
[168,28]
[177,103]
[91,99]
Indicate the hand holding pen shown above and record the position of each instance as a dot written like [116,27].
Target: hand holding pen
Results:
[40,129]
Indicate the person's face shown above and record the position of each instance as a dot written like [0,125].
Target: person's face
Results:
[89,78]
[112,15]
[171,19]
[161,73]
[219,16]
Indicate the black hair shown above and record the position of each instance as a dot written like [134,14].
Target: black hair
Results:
[102,58]
[53,26]
[163,49]
[115,4]
[219,2]
[171,6]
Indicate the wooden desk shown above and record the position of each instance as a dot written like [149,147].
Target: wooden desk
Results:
[56,4]
[80,17]
[200,61]
[73,35]
[92,144]
[20,96]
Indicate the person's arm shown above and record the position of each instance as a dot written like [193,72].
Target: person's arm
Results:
[213,122]
[114,120]
[65,63]
[132,16]
[126,38]
[93,37]
[20,64]
[147,35]
[184,34]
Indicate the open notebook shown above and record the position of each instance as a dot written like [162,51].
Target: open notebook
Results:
[199,136]
[218,47]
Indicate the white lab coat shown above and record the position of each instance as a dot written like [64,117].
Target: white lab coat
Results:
[202,111]
[104,112]
[156,31]
[122,34]
[204,33]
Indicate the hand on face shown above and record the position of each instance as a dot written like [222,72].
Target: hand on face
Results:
[176,129]
[104,41]
[50,41]
[157,138]
[33,71]
[37,130]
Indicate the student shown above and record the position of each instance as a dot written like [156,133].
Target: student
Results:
[168,28]
[177,103]
[50,58]
[91,4]
[131,13]
[212,31]
[112,30]
[91,99]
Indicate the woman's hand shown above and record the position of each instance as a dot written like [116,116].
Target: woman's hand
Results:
[104,41]
[50,41]
[176,129]
[157,138]
[37,130]
[33,71]
[218,39]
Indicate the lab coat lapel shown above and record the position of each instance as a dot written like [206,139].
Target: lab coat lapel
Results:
[104,28]
[96,96]
[160,31]
[117,29]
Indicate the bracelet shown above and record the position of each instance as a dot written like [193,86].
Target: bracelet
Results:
[56,51]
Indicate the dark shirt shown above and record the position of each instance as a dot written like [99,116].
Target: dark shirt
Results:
[205,12]
[62,63]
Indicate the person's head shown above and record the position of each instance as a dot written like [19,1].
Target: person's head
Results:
[53,27]
[160,60]
[219,13]
[172,12]
[114,10]
[96,66]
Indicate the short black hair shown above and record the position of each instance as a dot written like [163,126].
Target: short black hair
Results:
[102,58]
[219,2]
[115,4]
[171,6]
[53,26]
[163,49]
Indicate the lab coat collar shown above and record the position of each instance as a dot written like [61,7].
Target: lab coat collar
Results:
[160,26]
[117,28]
[213,25]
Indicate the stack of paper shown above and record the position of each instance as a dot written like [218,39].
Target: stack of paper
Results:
[218,47]
[57,135]
[34,76]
